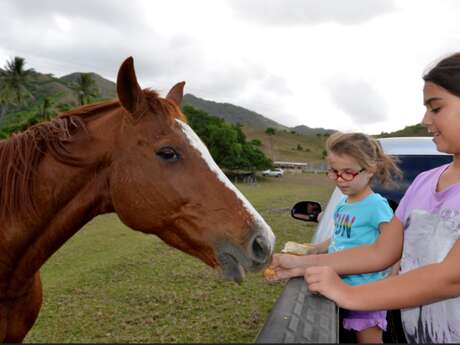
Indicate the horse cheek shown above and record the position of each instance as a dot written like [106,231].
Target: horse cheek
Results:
[125,201]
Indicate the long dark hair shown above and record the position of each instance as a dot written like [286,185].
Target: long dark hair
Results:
[446,73]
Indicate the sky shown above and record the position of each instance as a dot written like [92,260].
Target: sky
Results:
[353,65]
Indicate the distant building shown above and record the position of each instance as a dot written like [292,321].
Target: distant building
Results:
[290,165]
[301,166]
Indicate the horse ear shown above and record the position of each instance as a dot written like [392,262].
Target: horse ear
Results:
[128,89]
[176,93]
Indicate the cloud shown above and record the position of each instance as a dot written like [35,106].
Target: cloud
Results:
[270,56]
[304,12]
[64,37]
[114,13]
[359,100]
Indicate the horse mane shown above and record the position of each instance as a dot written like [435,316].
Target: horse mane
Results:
[21,154]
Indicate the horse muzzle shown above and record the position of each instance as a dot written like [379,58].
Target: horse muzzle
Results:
[235,260]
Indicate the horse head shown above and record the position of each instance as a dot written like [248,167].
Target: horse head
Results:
[163,181]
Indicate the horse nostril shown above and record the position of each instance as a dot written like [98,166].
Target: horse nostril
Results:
[260,249]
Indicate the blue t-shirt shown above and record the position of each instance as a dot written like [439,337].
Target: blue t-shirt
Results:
[357,224]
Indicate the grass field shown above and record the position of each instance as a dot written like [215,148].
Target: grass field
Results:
[111,284]
[283,145]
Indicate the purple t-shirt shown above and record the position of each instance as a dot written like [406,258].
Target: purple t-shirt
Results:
[431,227]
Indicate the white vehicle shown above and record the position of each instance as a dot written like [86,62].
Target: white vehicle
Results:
[277,172]
[300,317]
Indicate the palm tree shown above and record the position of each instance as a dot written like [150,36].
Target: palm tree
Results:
[14,84]
[47,109]
[86,88]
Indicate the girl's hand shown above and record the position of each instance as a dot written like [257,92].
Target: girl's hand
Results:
[284,266]
[324,280]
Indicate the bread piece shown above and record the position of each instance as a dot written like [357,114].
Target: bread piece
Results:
[269,273]
[295,248]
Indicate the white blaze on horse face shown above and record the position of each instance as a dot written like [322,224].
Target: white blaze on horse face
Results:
[196,142]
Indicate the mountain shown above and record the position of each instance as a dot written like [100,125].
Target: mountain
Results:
[46,85]
[231,113]
[409,131]
[107,88]
[305,130]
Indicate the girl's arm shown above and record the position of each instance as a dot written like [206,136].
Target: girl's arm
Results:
[363,259]
[367,258]
[383,253]
[420,286]
[322,247]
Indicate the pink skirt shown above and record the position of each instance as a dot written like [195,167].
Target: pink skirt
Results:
[361,320]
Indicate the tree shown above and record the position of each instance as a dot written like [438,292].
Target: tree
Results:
[47,109]
[226,142]
[86,88]
[256,142]
[14,84]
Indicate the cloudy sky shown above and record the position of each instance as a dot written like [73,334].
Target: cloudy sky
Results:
[351,65]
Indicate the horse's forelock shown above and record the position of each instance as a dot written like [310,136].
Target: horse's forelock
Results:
[164,106]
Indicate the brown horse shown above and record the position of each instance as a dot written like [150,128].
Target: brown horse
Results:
[135,156]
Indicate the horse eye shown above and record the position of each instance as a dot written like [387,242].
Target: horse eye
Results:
[168,153]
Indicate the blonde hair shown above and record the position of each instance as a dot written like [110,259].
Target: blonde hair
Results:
[368,152]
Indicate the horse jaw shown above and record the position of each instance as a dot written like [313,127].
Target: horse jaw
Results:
[231,268]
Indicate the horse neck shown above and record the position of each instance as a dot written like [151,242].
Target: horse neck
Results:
[66,199]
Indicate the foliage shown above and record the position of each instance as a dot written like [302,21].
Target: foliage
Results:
[270,131]
[44,109]
[226,142]
[28,97]
[14,84]
[256,142]
[86,89]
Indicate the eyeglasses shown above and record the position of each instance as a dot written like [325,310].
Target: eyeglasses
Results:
[346,175]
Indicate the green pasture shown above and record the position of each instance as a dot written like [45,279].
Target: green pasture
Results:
[111,284]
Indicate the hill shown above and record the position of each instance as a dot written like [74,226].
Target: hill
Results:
[46,85]
[231,113]
[311,131]
[107,88]
[300,144]
[286,145]
[409,131]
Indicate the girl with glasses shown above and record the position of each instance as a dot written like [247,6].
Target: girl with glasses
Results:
[355,160]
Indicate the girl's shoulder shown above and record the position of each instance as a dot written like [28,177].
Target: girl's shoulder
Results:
[378,199]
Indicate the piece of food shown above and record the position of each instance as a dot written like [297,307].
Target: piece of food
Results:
[291,247]
[269,273]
